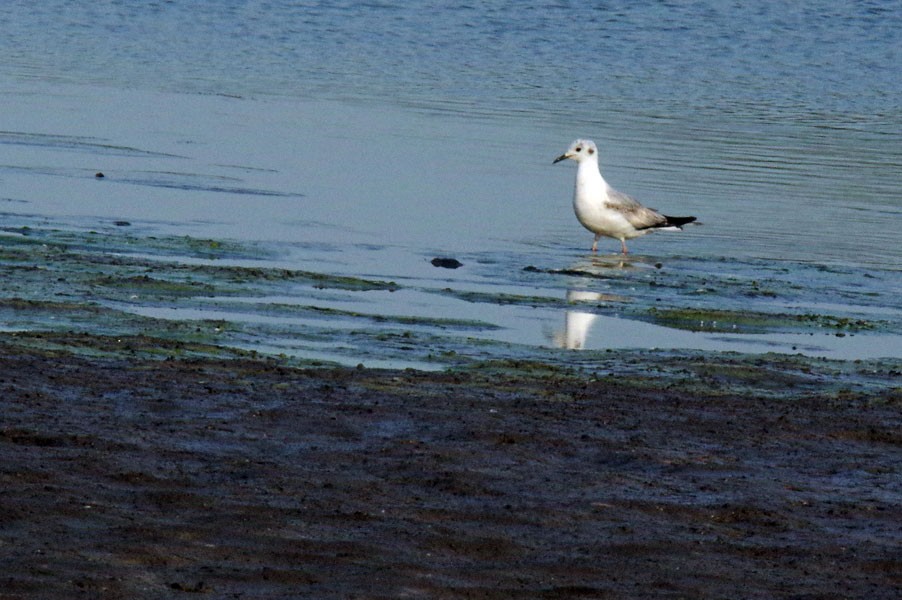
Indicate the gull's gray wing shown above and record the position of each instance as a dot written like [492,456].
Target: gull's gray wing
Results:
[638,216]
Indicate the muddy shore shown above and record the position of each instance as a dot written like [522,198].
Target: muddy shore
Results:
[133,477]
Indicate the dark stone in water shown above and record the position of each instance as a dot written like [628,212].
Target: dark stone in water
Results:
[121,223]
[99,175]
[446,263]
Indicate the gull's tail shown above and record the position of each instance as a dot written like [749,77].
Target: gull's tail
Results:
[677,222]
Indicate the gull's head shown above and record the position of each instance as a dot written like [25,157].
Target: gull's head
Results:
[579,151]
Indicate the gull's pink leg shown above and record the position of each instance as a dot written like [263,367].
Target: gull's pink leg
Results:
[623,246]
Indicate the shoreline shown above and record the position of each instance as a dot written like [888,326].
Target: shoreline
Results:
[135,477]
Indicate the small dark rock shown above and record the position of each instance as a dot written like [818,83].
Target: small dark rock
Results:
[121,223]
[446,263]
[99,175]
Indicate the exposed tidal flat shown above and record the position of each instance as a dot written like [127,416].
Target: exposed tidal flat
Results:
[235,295]
[175,410]
[151,457]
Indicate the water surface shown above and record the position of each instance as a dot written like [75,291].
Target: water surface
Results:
[367,139]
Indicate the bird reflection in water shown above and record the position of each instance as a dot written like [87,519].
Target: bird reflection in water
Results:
[577,323]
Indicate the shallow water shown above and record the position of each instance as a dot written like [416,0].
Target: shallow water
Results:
[370,159]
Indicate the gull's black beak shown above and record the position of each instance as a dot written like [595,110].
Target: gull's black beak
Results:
[560,158]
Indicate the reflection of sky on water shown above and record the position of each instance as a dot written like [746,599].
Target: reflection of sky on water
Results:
[594,332]
[426,310]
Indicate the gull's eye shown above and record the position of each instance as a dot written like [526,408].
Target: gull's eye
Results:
[579,149]
[591,151]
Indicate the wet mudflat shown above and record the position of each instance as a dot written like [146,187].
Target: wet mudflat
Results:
[126,475]
[302,301]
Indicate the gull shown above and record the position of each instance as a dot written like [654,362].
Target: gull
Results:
[603,210]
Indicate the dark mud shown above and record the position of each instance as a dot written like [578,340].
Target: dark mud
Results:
[128,476]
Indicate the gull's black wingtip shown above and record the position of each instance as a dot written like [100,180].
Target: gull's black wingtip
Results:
[678,221]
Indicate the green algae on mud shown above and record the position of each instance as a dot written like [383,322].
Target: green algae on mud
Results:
[120,282]
[41,264]
[65,281]
[146,285]
[721,374]
[124,253]
[142,347]
[747,321]
[714,374]
[120,346]
[782,375]
[251,275]
[310,310]
[114,239]
[753,296]
[502,298]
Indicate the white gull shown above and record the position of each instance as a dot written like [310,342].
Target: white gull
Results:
[603,210]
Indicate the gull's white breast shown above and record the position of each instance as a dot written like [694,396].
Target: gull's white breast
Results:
[589,205]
